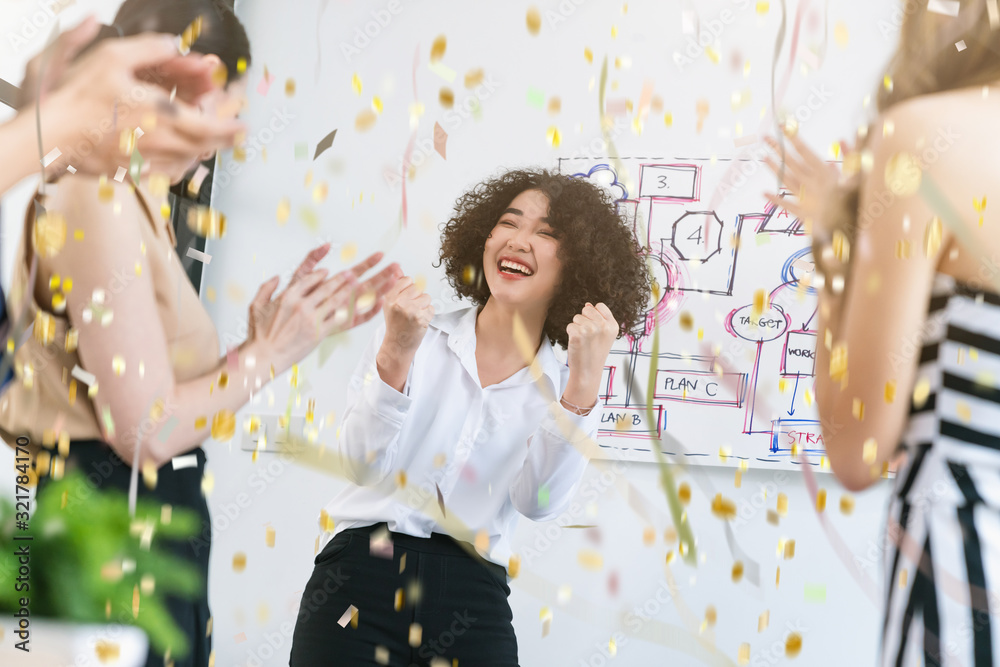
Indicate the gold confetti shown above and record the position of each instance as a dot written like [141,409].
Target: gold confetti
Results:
[614,32]
[482,541]
[902,578]
[932,237]
[777,577]
[239,561]
[793,645]
[838,362]
[207,483]
[533,19]
[356,84]
[553,137]
[763,7]
[846,504]
[759,303]
[763,621]
[223,425]
[648,536]
[49,234]
[135,601]
[723,508]
[841,246]
[290,87]
[108,652]
[348,252]
[964,411]
[377,104]
[269,537]
[921,392]
[890,391]
[555,105]
[446,97]
[416,634]
[381,655]
[858,409]
[474,77]
[514,566]
[840,34]
[399,599]
[438,48]
[588,55]
[684,492]
[711,616]
[206,222]
[821,500]
[668,119]
[590,559]
[737,571]
[686,321]
[902,174]
[782,504]
[149,474]
[743,657]
[870,451]
[365,120]
[200,422]
[789,549]
[401,479]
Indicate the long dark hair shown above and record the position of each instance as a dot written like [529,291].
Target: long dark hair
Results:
[221,32]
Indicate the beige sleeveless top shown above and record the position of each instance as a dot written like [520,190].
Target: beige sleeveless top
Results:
[43,400]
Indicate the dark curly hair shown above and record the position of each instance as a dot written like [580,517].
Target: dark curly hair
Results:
[602,262]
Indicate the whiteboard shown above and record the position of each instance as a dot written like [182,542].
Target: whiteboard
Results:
[522,90]
[733,378]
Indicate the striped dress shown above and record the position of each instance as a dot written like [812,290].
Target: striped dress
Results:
[942,547]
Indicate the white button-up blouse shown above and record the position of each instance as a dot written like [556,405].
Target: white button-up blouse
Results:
[491,453]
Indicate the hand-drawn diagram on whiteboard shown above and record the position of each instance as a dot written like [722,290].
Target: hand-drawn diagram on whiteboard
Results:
[733,375]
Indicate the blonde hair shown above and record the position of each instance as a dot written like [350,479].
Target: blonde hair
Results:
[925,62]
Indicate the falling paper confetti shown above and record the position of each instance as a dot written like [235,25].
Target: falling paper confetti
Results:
[945,7]
[365,120]
[438,48]
[325,143]
[440,140]
[533,20]
[239,561]
[199,255]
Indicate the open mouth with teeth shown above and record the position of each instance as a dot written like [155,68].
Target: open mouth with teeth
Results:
[510,268]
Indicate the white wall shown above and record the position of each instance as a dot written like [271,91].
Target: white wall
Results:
[261,601]
[510,133]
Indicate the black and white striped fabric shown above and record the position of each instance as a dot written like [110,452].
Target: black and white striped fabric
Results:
[943,530]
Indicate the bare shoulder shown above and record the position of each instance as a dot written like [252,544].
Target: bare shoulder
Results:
[100,221]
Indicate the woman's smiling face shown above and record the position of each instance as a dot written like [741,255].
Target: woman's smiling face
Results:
[520,259]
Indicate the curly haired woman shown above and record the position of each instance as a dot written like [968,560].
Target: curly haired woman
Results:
[443,414]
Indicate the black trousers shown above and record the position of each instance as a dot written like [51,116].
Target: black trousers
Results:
[432,602]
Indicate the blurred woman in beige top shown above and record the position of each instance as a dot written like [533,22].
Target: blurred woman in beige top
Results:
[117,361]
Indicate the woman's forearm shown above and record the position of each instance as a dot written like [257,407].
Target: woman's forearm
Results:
[192,411]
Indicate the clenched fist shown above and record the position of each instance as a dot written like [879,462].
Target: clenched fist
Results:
[591,335]
[408,312]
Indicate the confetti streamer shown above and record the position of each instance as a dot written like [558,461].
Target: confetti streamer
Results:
[413,140]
